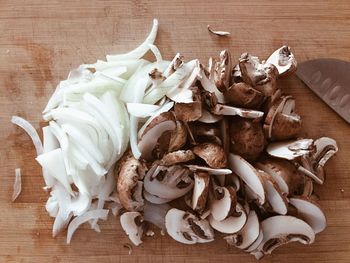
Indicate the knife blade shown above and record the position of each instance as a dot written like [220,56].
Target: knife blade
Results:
[329,79]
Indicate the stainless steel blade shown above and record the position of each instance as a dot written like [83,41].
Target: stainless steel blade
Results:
[330,80]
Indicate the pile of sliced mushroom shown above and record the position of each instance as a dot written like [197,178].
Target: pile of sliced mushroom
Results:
[227,159]
[213,150]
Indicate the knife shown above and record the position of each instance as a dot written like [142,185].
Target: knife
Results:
[330,79]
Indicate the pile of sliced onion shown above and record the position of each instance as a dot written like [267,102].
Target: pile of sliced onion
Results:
[92,117]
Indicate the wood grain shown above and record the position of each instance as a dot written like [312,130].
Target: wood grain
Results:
[41,41]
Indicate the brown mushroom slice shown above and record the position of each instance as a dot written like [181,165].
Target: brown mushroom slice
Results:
[211,171]
[325,149]
[208,117]
[248,234]
[248,174]
[200,191]
[279,230]
[209,86]
[168,182]
[256,243]
[284,61]
[204,132]
[222,72]
[310,212]
[260,76]
[247,138]
[178,137]
[283,173]
[220,109]
[243,95]
[179,156]
[186,228]
[222,202]
[132,224]
[281,122]
[149,139]
[190,111]
[232,224]
[290,150]
[236,74]
[155,199]
[128,187]
[274,196]
[212,154]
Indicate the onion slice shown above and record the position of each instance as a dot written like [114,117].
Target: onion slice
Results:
[17,186]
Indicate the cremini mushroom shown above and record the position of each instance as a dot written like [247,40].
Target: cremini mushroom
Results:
[200,191]
[133,225]
[190,111]
[178,137]
[279,230]
[243,95]
[220,109]
[248,234]
[211,171]
[168,182]
[179,156]
[260,76]
[223,202]
[283,59]
[290,150]
[129,187]
[155,199]
[281,122]
[246,138]
[212,154]
[186,228]
[222,71]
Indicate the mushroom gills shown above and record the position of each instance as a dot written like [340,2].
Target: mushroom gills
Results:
[132,224]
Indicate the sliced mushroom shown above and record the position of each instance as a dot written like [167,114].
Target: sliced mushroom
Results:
[223,202]
[149,139]
[279,230]
[176,63]
[190,111]
[186,228]
[274,196]
[212,154]
[130,171]
[247,138]
[281,122]
[260,76]
[248,234]
[179,156]
[243,95]
[178,137]
[209,86]
[283,172]
[132,224]
[220,109]
[256,243]
[310,212]
[248,174]
[211,171]
[290,150]
[236,75]
[325,149]
[222,73]
[200,191]
[203,132]
[233,180]
[284,61]
[208,117]
[168,182]
[155,199]
[232,224]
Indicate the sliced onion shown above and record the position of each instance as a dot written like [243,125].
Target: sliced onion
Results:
[141,110]
[76,222]
[17,186]
[30,130]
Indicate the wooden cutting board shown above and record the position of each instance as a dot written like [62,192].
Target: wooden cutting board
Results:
[41,41]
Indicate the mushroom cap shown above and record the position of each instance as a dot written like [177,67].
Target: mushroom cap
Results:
[131,222]
[248,174]
[178,137]
[190,111]
[247,138]
[248,234]
[232,224]
[325,149]
[130,171]
[179,156]
[310,212]
[200,191]
[186,228]
[243,95]
[222,73]
[212,154]
[279,230]
[284,61]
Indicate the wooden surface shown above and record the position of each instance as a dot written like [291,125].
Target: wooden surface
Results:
[41,41]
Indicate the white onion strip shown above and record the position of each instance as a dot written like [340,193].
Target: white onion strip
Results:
[17,186]
[30,130]
[76,222]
